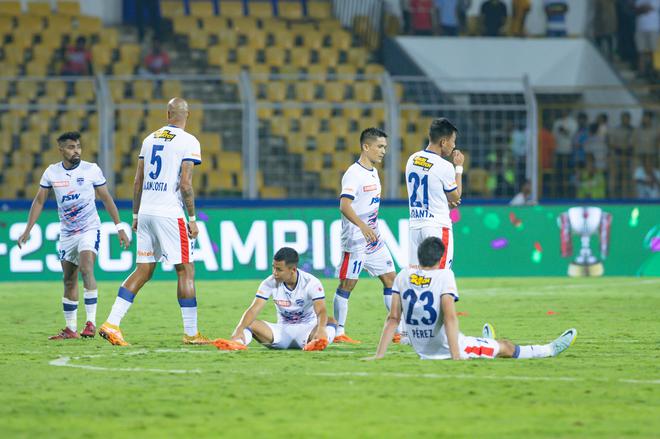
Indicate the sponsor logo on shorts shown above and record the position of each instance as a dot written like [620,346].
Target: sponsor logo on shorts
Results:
[423,163]
[61,183]
[145,253]
[369,188]
[420,281]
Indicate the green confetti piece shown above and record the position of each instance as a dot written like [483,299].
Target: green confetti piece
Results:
[634,217]
[537,256]
[492,221]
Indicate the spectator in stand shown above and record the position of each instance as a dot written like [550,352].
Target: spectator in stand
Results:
[563,129]
[555,11]
[77,59]
[493,17]
[157,61]
[596,146]
[620,157]
[448,17]
[625,12]
[605,26]
[547,144]
[524,197]
[647,32]
[591,181]
[421,17]
[647,178]
[520,9]
[461,12]
[580,138]
[646,140]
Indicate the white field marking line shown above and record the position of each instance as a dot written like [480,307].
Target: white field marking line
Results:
[66,362]
[561,286]
[481,377]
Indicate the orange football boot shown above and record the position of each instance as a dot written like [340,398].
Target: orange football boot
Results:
[113,334]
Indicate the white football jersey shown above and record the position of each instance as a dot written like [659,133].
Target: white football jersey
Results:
[297,305]
[421,292]
[163,152]
[75,194]
[361,185]
[428,178]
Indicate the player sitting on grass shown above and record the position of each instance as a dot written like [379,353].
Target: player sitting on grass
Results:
[302,321]
[426,296]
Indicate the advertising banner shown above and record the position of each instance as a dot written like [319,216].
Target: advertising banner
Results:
[489,241]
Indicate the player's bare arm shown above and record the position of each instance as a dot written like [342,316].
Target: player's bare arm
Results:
[33,216]
[391,324]
[103,194]
[347,210]
[322,319]
[458,159]
[137,191]
[451,325]
[188,196]
[249,316]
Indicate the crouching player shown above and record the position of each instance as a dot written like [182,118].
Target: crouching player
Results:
[302,320]
[426,297]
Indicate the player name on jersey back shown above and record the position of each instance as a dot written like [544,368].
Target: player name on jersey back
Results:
[429,178]
[163,152]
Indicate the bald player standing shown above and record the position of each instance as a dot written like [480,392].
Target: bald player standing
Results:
[163,188]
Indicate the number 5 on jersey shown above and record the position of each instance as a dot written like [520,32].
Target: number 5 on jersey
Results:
[156,160]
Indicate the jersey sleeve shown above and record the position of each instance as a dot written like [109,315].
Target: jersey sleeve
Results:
[349,185]
[45,181]
[315,290]
[265,290]
[399,283]
[448,178]
[143,150]
[193,152]
[449,286]
[98,179]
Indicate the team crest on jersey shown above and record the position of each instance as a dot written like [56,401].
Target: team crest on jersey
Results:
[420,281]
[422,162]
[80,181]
[164,134]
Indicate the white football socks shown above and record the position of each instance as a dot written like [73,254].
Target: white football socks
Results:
[91,299]
[70,308]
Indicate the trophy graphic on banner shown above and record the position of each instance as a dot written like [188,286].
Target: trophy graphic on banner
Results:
[584,222]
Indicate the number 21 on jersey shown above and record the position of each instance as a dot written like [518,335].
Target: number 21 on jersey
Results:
[414,178]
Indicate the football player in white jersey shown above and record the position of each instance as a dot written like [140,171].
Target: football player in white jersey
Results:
[361,242]
[434,186]
[163,187]
[426,295]
[76,185]
[302,320]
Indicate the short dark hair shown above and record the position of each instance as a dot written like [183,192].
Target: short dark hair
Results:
[430,251]
[69,135]
[371,133]
[441,128]
[288,255]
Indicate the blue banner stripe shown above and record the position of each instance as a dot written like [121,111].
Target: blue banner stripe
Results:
[188,303]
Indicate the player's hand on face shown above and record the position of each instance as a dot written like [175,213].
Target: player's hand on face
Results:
[134,225]
[124,240]
[458,158]
[193,231]
[22,239]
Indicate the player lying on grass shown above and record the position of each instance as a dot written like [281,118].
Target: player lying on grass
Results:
[426,296]
[302,321]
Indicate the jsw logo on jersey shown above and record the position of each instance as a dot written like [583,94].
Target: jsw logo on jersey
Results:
[70,197]
[375,200]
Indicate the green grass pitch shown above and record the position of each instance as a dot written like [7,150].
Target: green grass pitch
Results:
[606,385]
